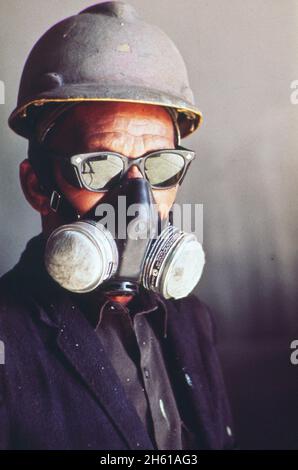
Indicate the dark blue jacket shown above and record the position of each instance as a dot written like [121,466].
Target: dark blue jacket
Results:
[58,389]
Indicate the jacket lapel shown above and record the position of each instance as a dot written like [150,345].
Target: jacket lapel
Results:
[80,344]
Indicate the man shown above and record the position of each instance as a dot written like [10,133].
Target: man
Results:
[104,349]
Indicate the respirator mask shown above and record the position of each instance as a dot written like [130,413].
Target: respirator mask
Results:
[122,243]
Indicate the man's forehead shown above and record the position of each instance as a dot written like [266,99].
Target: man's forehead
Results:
[123,117]
[87,116]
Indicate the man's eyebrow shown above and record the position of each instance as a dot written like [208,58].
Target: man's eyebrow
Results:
[102,148]
[97,134]
[93,141]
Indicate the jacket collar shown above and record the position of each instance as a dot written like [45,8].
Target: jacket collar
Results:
[81,345]
[94,306]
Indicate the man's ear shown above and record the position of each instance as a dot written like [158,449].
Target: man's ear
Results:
[32,190]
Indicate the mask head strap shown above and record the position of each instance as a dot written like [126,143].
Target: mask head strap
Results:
[174,115]
[37,154]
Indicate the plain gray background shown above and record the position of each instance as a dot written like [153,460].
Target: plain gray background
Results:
[242,57]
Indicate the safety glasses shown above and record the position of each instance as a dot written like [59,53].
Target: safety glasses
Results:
[100,171]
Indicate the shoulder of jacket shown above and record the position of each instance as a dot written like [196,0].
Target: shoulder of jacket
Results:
[13,300]
[7,286]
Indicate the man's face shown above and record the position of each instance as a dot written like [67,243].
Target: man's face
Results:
[126,128]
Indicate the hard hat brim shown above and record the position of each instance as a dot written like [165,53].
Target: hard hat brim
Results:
[189,117]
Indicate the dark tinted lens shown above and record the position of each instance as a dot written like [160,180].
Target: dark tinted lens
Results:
[98,171]
[164,169]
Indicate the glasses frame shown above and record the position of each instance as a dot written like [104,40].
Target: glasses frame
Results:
[74,163]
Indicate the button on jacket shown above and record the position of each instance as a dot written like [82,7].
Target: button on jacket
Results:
[61,389]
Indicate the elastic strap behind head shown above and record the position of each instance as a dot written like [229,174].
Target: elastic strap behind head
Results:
[174,115]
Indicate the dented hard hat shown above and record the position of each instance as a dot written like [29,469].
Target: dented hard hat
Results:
[105,53]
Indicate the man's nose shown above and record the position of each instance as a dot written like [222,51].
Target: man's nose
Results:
[134,172]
